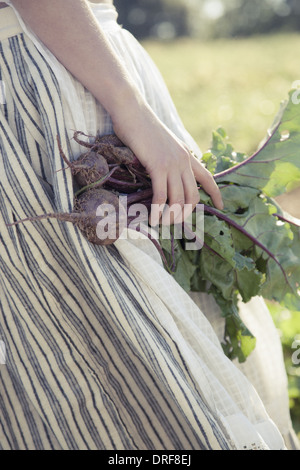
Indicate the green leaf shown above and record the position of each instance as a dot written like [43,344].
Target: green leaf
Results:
[251,247]
[275,167]
[218,272]
[184,271]
[259,234]
[218,237]
[221,155]
[210,161]
[239,342]
[249,282]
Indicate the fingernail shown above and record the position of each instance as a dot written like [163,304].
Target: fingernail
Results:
[153,222]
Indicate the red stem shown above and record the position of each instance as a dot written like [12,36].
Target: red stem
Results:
[211,210]
[247,160]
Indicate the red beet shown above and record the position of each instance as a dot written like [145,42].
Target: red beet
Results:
[110,139]
[97,213]
[112,148]
[88,168]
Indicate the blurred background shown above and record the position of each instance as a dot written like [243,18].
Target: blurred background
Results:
[228,63]
[208,18]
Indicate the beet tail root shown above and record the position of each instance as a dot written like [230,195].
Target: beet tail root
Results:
[82,142]
[64,216]
[62,154]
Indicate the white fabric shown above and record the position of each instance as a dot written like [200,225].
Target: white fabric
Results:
[265,366]
[228,393]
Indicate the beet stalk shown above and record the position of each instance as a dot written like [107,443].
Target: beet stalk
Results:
[113,149]
[110,139]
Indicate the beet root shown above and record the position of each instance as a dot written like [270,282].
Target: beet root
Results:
[104,217]
[110,139]
[97,213]
[88,168]
[112,148]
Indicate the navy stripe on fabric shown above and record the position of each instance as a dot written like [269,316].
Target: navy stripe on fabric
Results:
[87,356]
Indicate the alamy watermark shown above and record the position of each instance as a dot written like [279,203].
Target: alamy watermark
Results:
[296,94]
[114,221]
[296,353]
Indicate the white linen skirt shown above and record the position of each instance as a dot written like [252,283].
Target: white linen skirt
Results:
[103,349]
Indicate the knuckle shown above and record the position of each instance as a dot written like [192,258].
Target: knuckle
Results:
[195,199]
[186,154]
[179,201]
[163,164]
[159,199]
[185,160]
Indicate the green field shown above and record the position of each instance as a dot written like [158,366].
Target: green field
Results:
[237,84]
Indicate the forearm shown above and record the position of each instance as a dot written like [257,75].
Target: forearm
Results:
[69,30]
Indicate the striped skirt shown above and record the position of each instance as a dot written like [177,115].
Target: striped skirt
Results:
[99,347]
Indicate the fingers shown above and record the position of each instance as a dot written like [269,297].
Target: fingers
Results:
[184,196]
[192,196]
[160,195]
[175,192]
[207,181]
[175,195]
[176,198]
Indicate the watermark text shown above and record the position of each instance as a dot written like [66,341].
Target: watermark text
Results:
[296,353]
[113,222]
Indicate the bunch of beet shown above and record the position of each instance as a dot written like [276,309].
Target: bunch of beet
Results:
[106,170]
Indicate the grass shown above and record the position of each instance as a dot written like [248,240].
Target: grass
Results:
[234,83]
[237,84]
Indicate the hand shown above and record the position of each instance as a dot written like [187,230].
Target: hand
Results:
[173,169]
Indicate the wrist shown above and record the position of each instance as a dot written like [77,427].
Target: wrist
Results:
[122,101]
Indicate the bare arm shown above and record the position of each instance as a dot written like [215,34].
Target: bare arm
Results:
[69,30]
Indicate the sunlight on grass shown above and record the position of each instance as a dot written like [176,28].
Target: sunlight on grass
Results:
[237,84]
